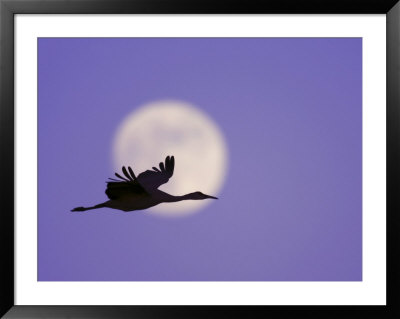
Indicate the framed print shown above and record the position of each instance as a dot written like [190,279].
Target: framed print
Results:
[167,159]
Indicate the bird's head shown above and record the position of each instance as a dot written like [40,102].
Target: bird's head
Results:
[200,195]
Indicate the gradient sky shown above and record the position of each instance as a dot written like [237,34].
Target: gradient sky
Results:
[291,113]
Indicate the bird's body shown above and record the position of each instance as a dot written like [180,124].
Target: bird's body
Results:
[137,202]
[131,193]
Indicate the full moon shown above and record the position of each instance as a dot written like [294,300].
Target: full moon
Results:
[155,130]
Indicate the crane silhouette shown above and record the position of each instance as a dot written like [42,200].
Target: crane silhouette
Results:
[128,192]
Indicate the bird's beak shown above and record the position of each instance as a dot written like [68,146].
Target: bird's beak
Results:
[208,196]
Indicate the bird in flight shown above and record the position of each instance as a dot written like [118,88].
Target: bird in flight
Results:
[128,192]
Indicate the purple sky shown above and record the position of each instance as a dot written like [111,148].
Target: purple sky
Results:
[290,110]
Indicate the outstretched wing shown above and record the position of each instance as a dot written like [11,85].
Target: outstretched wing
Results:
[131,186]
[127,186]
[151,180]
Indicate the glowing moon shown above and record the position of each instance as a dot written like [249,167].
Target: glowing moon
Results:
[155,130]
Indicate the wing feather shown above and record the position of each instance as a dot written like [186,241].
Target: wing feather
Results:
[123,178]
[131,172]
[126,174]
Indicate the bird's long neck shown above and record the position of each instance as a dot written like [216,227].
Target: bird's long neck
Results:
[171,198]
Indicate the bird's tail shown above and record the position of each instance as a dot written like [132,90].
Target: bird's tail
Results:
[82,209]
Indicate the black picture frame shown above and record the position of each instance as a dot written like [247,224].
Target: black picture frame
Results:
[8,8]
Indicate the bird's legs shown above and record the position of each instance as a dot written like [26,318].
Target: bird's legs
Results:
[82,209]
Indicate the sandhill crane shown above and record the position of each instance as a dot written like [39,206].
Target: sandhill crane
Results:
[135,193]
